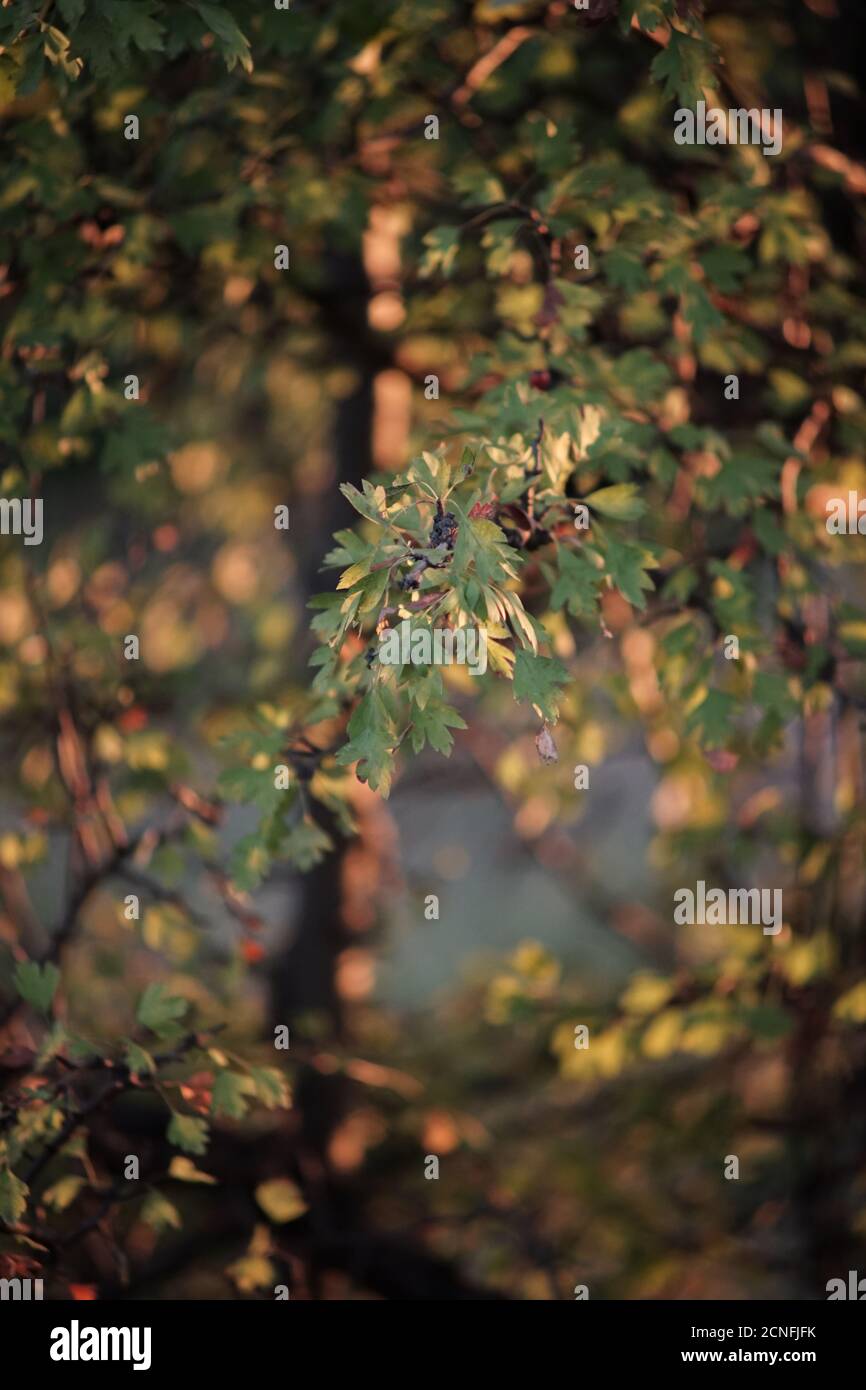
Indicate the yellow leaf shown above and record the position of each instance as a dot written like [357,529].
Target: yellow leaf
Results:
[252,1272]
[851,1007]
[663,1034]
[805,960]
[281,1200]
[185,1170]
[353,574]
[704,1037]
[646,994]
[500,658]
[62,1193]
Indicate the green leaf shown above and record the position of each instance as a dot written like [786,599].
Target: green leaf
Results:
[135,439]
[626,563]
[370,502]
[442,245]
[648,14]
[700,313]
[188,1132]
[230,1091]
[271,1087]
[713,718]
[431,725]
[159,1011]
[256,785]
[138,1060]
[684,67]
[482,545]
[640,374]
[37,984]
[766,1020]
[578,583]
[741,479]
[13,1196]
[768,531]
[249,862]
[371,742]
[725,266]
[498,243]
[537,680]
[350,577]
[231,41]
[83,1051]
[135,23]
[772,691]
[625,270]
[306,844]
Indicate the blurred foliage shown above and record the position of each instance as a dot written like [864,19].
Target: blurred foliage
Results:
[570,388]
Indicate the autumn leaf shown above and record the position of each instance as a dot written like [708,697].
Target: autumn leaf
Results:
[281,1200]
[13,1196]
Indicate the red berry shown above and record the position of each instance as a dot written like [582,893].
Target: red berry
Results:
[540,380]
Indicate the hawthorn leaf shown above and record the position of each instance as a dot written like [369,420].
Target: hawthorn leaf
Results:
[188,1132]
[281,1200]
[538,680]
[159,1011]
[37,984]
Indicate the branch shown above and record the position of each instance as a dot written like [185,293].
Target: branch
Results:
[494,58]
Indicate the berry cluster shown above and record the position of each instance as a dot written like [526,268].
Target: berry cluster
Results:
[444,530]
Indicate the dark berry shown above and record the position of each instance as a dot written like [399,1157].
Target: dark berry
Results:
[542,381]
[444,530]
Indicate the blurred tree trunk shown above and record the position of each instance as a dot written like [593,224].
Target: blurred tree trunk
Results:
[303,977]
[304,974]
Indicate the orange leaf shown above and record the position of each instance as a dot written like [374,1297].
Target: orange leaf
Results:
[133,719]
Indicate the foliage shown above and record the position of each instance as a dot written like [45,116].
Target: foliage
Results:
[565,392]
